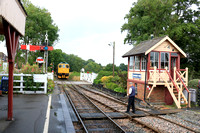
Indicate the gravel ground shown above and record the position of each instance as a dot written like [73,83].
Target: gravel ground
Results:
[187,118]
[163,126]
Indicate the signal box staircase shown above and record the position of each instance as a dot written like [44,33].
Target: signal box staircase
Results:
[175,85]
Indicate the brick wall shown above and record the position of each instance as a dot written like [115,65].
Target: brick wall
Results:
[157,95]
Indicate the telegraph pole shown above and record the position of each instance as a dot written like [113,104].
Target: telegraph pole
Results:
[46,53]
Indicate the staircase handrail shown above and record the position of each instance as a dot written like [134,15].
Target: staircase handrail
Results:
[172,80]
[182,81]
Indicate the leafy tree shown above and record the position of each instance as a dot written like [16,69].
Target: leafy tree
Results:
[38,22]
[123,67]
[174,18]
[109,67]
[93,67]
[1,37]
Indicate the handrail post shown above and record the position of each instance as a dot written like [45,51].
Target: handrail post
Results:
[155,75]
[21,82]
[189,101]
[175,74]
[186,76]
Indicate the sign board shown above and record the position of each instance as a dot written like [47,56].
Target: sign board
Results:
[39,77]
[137,75]
[40,60]
[4,83]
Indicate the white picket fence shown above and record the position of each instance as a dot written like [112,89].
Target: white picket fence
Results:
[89,77]
[39,78]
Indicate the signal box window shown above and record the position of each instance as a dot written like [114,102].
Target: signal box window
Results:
[154,57]
[131,63]
[60,66]
[137,63]
[164,60]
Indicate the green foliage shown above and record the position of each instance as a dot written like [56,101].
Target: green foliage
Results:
[123,67]
[193,83]
[106,79]
[120,89]
[50,85]
[111,85]
[74,76]
[1,38]
[28,69]
[38,22]
[104,73]
[97,81]
[109,67]
[93,67]
[174,18]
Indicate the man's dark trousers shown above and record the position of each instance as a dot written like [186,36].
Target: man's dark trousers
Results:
[131,102]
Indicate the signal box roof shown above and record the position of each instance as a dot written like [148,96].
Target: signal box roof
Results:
[146,47]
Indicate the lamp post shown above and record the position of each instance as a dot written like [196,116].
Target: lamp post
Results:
[113,45]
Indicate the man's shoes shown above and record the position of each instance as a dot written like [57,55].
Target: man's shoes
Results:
[127,112]
[133,112]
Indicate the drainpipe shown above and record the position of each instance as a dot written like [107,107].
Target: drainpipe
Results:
[145,83]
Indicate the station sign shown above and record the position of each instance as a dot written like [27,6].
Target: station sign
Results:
[137,75]
[40,60]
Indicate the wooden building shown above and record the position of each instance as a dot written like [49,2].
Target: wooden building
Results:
[154,68]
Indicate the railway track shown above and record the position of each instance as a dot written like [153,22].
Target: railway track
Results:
[91,117]
[116,105]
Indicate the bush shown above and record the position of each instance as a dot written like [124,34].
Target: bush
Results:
[106,79]
[28,69]
[111,85]
[193,83]
[74,76]
[96,81]
[105,73]
[50,85]
[119,89]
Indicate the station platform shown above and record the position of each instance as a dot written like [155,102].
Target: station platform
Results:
[34,114]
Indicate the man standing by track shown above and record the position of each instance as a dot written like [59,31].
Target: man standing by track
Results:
[131,99]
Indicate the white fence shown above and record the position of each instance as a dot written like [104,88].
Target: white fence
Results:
[38,78]
[89,77]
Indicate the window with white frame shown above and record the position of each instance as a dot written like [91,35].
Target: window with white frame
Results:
[131,61]
[164,60]
[154,59]
[143,63]
[137,63]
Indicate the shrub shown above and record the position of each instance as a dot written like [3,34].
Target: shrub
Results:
[50,85]
[106,79]
[96,81]
[119,89]
[28,69]
[193,83]
[74,76]
[105,73]
[111,85]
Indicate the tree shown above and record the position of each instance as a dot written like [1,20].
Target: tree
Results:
[109,67]
[93,67]
[174,18]
[38,22]
[123,67]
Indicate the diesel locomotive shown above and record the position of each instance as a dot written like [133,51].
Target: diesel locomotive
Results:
[63,70]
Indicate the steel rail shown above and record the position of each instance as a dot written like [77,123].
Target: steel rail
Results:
[129,116]
[178,124]
[119,127]
[74,108]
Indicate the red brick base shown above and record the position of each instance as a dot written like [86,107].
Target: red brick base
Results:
[157,95]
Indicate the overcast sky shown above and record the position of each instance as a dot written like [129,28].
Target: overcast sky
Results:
[88,26]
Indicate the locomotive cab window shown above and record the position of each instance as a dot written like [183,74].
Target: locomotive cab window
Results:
[60,66]
[67,66]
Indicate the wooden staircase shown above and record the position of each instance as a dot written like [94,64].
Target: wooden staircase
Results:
[175,88]
[175,85]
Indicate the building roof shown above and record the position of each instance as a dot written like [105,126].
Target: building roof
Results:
[146,47]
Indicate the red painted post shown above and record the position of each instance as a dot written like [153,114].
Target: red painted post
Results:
[10,92]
